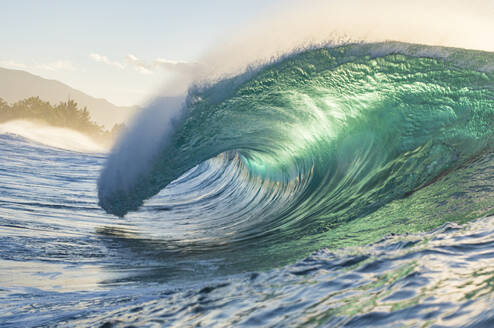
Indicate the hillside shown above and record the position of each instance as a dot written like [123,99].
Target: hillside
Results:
[16,85]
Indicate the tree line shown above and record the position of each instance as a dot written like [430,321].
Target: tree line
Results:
[65,114]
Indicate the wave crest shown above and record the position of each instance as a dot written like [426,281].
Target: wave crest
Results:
[317,139]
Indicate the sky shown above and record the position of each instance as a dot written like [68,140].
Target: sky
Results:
[125,51]
[122,50]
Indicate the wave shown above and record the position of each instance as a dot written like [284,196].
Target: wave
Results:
[52,136]
[310,142]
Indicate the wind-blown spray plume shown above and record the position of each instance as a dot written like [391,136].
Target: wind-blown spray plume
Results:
[341,118]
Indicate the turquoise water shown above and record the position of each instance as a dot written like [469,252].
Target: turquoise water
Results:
[327,147]
[344,186]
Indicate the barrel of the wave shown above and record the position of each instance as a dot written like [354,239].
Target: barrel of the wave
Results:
[355,127]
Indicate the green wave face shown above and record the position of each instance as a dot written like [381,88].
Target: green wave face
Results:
[337,145]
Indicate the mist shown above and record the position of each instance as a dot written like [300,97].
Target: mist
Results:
[452,23]
[52,136]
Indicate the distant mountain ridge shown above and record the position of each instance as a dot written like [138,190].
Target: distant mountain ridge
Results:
[16,85]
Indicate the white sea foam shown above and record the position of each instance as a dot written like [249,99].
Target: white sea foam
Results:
[52,136]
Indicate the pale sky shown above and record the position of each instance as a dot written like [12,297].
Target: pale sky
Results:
[126,51]
[119,50]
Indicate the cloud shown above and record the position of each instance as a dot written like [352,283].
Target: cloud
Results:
[103,59]
[176,65]
[12,64]
[59,65]
[147,67]
[138,64]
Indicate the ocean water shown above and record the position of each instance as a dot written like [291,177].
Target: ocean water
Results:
[341,186]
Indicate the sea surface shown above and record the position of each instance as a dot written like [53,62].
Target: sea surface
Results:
[342,186]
